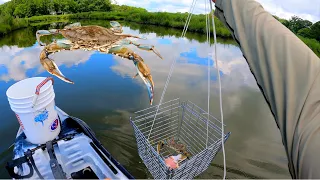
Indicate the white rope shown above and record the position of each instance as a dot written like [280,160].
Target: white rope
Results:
[173,64]
[192,8]
[220,94]
[189,16]
[208,40]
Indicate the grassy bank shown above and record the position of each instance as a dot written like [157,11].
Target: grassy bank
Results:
[313,44]
[25,37]
[164,19]
[141,16]
[9,24]
[37,12]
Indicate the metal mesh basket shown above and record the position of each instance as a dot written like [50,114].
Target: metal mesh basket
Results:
[187,124]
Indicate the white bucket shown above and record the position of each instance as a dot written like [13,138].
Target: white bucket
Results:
[33,102]
[25,100]
[25,108]
[30,105]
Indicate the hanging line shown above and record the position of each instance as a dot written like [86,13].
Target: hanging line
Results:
[208,58]
[186,25]
[220,94]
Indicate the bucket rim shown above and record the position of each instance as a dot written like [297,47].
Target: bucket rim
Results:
[29,104]
[29,100]
[45,88]
[31,97]
[37,108]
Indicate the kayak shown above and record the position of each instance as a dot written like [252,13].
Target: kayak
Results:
[75,154]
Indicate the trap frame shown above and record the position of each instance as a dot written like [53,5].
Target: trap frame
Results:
[187,124]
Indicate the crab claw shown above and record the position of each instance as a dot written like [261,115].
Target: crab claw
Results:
[149,48]
[40,33]
[142,69]
[51,67]
[149,85]
[116,27]
[145,75]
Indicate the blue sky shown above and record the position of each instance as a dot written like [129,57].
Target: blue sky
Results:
[307,9]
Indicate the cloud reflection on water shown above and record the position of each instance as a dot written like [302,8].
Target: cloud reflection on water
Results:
[246,113]
[18,61]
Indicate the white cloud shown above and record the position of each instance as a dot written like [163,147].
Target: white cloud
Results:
[308,9]
[3,1]
[186,75]
[17,61]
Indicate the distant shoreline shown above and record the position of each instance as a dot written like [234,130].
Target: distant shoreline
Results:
[163,19]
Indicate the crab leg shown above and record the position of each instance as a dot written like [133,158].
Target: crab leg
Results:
[40,33]
[135,75]
[142,69]
[77,24]
[142,46]
[144,72]
[116,27]
[128,36]
[49,64]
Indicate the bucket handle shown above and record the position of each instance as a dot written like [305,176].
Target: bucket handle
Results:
[35,98]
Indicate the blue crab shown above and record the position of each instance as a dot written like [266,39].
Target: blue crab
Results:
[105,40]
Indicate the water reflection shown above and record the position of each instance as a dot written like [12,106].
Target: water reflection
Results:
[105,95]
[20,63]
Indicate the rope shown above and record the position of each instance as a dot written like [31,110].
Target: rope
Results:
[186,25]
[208,40]
[190,14]
[220,94]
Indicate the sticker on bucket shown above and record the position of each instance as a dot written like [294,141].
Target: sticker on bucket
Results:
[54,125]
[42,116]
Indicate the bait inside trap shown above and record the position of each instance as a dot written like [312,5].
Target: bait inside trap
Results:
[180,128]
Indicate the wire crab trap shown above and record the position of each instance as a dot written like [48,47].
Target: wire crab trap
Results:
[180,127]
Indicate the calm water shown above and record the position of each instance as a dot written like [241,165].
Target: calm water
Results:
[104,95]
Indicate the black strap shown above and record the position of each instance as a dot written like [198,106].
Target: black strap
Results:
[54,164]
[18,162]
[28,158]
[29,155]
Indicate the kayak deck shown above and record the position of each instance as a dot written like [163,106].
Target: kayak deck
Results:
[76,149]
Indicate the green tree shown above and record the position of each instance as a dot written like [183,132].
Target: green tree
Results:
[20,10]
[284,22]
[57,6]
[305,32]
[72,6]
[296,23]
[32,8]
[8,8]
[102,5]
[83,5]
[315,31]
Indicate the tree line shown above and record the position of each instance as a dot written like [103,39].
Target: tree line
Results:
[29,8]
[16,14]
[301,27]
